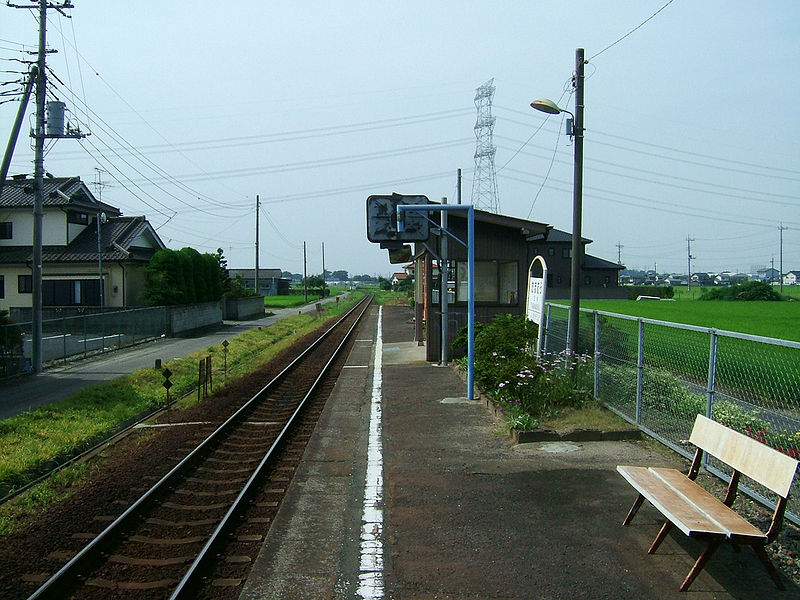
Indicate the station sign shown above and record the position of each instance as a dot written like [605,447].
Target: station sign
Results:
[382,219]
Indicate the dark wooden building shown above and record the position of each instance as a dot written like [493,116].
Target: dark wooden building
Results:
[504,249]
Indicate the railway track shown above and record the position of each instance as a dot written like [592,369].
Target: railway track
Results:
[195,531]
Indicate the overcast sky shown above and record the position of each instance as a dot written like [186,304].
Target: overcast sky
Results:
[195,107]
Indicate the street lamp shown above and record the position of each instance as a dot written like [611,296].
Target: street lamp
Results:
[550,107]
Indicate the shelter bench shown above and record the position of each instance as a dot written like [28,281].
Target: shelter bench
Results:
[697,513]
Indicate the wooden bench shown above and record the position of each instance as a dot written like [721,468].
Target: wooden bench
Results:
[697,513]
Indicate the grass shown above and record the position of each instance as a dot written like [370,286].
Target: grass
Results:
[769,319]
[590,416]
[34,439]
[298,299]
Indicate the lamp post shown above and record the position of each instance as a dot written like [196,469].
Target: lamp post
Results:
[550,107]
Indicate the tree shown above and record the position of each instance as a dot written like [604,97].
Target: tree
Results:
[340,276]
[164,279]
[224,275]
[182,277]
[384,283]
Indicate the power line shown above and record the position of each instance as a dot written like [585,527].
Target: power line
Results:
[639,26]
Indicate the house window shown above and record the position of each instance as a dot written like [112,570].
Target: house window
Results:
[587,280]
[551,251]
[25,284]
[566,253]
[81,218]
[559,279]
[495,281]
[606,280]
[2,286]
[6,230]
[67,292]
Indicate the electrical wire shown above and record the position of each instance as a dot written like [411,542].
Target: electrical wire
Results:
[639,26]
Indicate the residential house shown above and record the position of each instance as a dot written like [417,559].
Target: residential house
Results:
[74,225]
[504,249]
[270,281]
[792,278]
[398,277]
[769,274]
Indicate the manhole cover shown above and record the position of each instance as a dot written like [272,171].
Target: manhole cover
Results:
[559,447]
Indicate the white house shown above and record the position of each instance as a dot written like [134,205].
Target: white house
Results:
[71,262]
[792,278]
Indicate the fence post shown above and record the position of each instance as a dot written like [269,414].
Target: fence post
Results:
[596,354]
[64,337]
[547,329]
[84,335]
[712,373]
[640,374]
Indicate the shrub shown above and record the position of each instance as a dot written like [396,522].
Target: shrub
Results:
[752,290]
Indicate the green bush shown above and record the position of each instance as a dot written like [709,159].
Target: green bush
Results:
[752,290]
[525,388]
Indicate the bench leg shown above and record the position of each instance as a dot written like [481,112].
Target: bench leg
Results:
[634,509]
[660,537]
[773,572]
[701,562]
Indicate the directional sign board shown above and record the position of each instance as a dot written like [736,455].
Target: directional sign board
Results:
[382,219]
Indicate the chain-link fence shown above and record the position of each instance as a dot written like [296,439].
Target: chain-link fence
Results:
[660,375]
[73,337]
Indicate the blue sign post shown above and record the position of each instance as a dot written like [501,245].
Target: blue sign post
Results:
[470,245]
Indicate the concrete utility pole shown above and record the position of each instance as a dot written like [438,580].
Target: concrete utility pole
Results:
[258,210]
[689,258]
[577,208]
[39,135]
[305,275]
[781,228]
[443,277]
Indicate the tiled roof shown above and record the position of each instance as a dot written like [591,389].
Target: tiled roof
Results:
[18,193]
[116,235]
[593,262]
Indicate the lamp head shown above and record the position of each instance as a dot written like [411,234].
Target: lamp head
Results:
[546,105]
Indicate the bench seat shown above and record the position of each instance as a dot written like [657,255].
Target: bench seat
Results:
[688,506]
[698,514]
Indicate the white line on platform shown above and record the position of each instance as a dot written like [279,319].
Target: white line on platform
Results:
[370,578]
[356,367]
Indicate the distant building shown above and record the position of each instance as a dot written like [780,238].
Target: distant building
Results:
[792,278]
[270,281]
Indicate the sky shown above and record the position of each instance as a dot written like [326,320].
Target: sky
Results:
[194,108]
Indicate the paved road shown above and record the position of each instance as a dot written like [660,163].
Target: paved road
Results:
[19,395]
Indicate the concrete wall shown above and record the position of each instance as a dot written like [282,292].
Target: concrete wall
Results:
[238,309]
[191,317]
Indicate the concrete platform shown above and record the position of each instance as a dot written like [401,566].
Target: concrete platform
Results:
[408,491]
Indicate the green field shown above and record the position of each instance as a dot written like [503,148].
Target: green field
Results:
[771,319]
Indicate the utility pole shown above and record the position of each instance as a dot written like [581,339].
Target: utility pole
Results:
[689,259]
[323,262]
[781,229]
[458,188]
[772,271]
[619,253]
[38,177]
[577,209]
[258,210]
[305,275]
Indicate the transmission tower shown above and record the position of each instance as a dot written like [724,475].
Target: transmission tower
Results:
[484,184]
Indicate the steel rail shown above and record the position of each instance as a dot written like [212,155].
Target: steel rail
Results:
[50,589]
[185,587]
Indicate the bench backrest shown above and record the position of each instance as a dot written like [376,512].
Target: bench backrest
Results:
[750,457]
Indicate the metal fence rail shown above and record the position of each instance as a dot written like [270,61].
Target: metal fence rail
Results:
[72,337]
[660,375]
